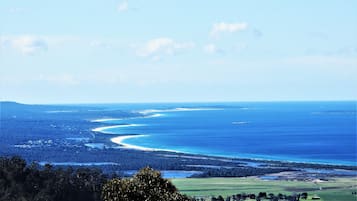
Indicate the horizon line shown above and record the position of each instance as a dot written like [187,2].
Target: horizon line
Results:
[178,102]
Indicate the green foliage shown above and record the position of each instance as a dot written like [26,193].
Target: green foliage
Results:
[146,185]
[21,182]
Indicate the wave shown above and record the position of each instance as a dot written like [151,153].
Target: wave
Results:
[152,113]
[106,119]
[104,128]
[60,111]
[239,122]
[178,109]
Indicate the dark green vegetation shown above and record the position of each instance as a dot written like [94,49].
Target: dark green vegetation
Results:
[147,185]
[239,172]
[25,183]
[32,183]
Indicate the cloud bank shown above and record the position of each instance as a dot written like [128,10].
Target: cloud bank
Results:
[158,47]
[27,45]
[224,27]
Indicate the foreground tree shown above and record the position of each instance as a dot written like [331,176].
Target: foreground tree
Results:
[146,185]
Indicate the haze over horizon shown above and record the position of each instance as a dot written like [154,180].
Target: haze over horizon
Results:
[178,51]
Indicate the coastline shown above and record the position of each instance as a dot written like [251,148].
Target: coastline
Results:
[120,138]
[104,128]
[93,146]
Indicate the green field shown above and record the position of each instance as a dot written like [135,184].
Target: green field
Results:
[336,189]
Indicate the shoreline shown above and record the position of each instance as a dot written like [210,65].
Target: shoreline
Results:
[155,113]
[92,145]
[119,140]
[122,137]
[103,128]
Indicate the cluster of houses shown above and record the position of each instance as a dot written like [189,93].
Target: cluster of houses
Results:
[262,196]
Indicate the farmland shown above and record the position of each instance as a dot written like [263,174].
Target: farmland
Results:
[335,189]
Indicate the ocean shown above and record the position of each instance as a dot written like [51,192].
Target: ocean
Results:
[313,132]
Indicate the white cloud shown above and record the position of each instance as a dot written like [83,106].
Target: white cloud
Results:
[32,44]
[123,6]
[155,48]
[210,49]
[223,27]
[27,45]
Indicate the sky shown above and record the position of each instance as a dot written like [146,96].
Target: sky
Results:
[115,51]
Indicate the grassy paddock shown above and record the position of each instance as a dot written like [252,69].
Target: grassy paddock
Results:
[336,189]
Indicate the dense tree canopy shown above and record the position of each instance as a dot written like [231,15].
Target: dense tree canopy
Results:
[19,182]
[147,185]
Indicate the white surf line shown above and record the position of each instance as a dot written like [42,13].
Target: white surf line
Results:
[103,128]
[154,115]
[178,109]
[147,114]
[151,113]
[119,140]
[60,111]
[126,118]
[104,120]
[239,122]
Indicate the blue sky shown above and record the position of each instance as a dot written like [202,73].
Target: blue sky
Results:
[173,51]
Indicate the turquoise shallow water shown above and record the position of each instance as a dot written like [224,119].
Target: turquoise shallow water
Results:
[323,132]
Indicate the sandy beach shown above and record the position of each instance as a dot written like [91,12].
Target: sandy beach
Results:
[119,140]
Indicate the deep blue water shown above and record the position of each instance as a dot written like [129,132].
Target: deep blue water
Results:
[294,131]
